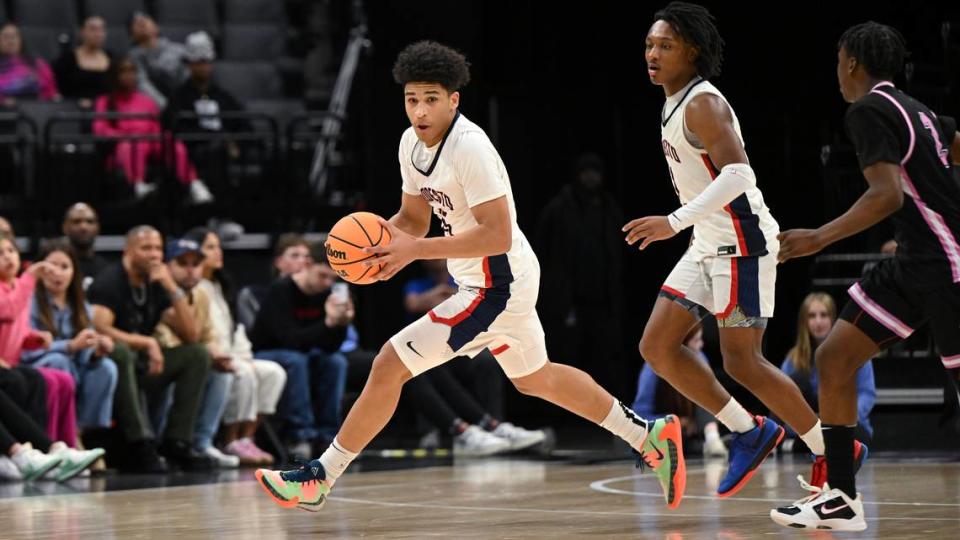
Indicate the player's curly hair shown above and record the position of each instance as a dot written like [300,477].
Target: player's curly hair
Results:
[698,28]
[879,48]
[432,62]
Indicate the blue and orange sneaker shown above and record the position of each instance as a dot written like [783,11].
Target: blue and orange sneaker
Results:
[662,451]
[818,475]
[747,452]
[304,488]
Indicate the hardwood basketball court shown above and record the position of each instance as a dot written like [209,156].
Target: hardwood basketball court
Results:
[491,499]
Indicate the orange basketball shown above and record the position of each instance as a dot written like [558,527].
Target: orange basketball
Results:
[345,245]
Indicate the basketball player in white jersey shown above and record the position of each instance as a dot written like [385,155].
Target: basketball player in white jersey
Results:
[730,268]
[450,168]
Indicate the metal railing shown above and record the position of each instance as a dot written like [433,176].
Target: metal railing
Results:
[19,134]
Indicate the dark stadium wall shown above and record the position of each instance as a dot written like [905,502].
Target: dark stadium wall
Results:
[551,82]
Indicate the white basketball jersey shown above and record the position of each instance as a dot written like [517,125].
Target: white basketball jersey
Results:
[745,226]
[463,171]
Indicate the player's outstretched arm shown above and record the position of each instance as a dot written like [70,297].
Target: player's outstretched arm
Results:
[493,235]
[883,197]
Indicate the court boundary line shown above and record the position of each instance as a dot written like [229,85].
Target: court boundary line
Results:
[601,487]
[435,506]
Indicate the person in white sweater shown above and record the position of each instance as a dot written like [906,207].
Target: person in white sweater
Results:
[258,383]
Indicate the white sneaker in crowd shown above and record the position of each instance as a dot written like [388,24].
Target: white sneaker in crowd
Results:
[200,193]
[72,461]
[475,442]
[221,460]
[33,463]
[714,447]
[9,470]
[518,437]
[141,190]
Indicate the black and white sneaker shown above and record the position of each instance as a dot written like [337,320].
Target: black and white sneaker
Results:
[824,509]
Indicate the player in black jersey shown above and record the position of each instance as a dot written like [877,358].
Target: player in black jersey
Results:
[904,150]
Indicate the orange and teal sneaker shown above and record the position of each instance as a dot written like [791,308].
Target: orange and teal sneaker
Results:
[662,451]
[304,488]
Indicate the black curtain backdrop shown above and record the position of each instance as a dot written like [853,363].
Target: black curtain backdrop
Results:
[552,82]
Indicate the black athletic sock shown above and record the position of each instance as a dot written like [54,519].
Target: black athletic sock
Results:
[839,443]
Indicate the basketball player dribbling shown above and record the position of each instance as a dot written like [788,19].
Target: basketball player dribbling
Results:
[450,168]
[729,269]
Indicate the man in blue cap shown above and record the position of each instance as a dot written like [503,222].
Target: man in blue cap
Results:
[185,262]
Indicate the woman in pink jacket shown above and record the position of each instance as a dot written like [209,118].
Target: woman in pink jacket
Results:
[16,335]
[22,75]
[132,156]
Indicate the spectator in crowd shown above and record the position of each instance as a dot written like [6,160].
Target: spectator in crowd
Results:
[17,336]
[130,298]
[185,261]
[82,71]
[132,156]
[60,307]
[22,75]
[26,386]
[471,415]
[257,384]
[291,253]
[818,314]
[301,326]
[200,95]
[655,397]
[26,453]
[81,225]
[159,60]
[581,308]
[420,295]
[23,384]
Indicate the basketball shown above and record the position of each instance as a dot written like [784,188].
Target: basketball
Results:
[345,245]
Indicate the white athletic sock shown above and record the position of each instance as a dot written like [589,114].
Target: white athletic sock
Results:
[624,423]
[814,440]
[735,417]
[335,460]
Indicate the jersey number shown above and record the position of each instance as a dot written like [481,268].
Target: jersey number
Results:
[446,227]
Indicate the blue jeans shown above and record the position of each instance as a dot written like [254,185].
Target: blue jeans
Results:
[96,380]
[310,403]
[212,404]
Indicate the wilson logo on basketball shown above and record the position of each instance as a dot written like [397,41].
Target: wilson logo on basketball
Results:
[336,253]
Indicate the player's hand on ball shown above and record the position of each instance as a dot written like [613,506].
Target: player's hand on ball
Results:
[401,251]
[798,243]
[650,229]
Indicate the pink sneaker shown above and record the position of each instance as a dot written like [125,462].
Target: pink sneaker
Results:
[266,458]
[241,449]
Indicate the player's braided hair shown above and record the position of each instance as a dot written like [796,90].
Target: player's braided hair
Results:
[697,27]
[879,48]
[432,62]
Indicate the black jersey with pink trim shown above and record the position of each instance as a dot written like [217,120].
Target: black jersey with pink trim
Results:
[887,125]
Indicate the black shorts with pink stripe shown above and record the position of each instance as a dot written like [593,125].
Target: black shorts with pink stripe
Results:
[887,307]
